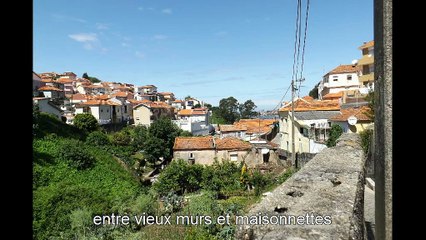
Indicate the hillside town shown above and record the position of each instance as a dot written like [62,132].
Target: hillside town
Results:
[339,98]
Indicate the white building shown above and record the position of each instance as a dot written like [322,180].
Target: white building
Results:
[46,106]
[342,78]
[195,121]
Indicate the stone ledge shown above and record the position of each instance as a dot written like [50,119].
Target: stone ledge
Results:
[331,184]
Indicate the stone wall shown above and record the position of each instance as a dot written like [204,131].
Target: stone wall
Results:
[330,186]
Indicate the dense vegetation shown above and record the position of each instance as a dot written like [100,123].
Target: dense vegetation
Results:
[230,110]
[335,132]
[78,174]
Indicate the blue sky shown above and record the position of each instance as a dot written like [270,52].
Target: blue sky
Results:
[207,49]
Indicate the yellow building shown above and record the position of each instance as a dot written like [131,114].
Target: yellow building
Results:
[366,64]
[363,121]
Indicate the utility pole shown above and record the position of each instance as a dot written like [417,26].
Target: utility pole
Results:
[293,147]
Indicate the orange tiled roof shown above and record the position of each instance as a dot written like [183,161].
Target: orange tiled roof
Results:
[208,143]
[100,102]
[79,96]
[302,105]
[178,101]
[64,80]
[231,128]
[360,113]
[367,45]
[50,88]
[331,96]
[345,69]
[47,80]
[195,111]
[102,97]
[120,94]
[166,93]
[148,86]
[232,143]
[256,125]
[194,143]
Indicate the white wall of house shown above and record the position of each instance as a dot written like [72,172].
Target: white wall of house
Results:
[142,115]
[341,80]
[237,134]
[46,107]
[196,128]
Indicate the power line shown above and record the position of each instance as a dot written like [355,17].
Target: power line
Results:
[304,44]
[279,103]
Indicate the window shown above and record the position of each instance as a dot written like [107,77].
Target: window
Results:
[335,78]
[137,118]
[107,110]
[233,156]
[349,77]
[371,68]
[125,109]
[191,156]
[102,110]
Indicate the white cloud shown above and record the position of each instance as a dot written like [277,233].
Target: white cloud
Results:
[160,37]
[101,26]
[125,44]
[167,11]
[84,37]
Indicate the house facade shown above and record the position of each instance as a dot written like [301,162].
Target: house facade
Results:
[204,150]
[311,124]
[361,120]
[148,112]
[341,78]
[366,64]
[47,106]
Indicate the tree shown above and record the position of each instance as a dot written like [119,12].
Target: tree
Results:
[314,92]
[335,132]
[188,97]
[36,117]
[92,79]
[163,130]
[85,75]
[86,122]
[197,105]
[228,109]
[370,99]
[247,109]
[208,105]
[98,138]
[139,136]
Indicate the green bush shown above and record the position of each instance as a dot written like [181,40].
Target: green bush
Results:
[366,138]
[86,122]
[98,138]
[335,132]
[223,177]
[76,154]
[121,138]
[179,177]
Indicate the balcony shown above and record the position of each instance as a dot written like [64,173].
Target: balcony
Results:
[366,78]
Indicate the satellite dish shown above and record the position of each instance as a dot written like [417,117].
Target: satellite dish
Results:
[352,120]
[354,62]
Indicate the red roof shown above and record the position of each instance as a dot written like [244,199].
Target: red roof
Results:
[345,69]
[50,88]
[309,104]
[360,113]
[232,143]
[194,143]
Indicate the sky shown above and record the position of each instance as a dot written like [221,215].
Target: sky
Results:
[207,49]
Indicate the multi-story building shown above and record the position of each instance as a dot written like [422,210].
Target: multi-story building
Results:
[366,64]
[340,79]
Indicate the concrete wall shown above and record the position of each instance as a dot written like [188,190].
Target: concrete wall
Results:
[342,80]
[207,157]
[330,186]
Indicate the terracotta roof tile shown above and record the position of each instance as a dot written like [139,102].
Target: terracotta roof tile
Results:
[120,94]
[79,96]
[64,80]
[360,113]
[231,128]
[314,105]
[232,143]
[367,45]
[345,69]
[208,143]
[193,143]
[195,111]
[331,96]
[256,125]
[50,88]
